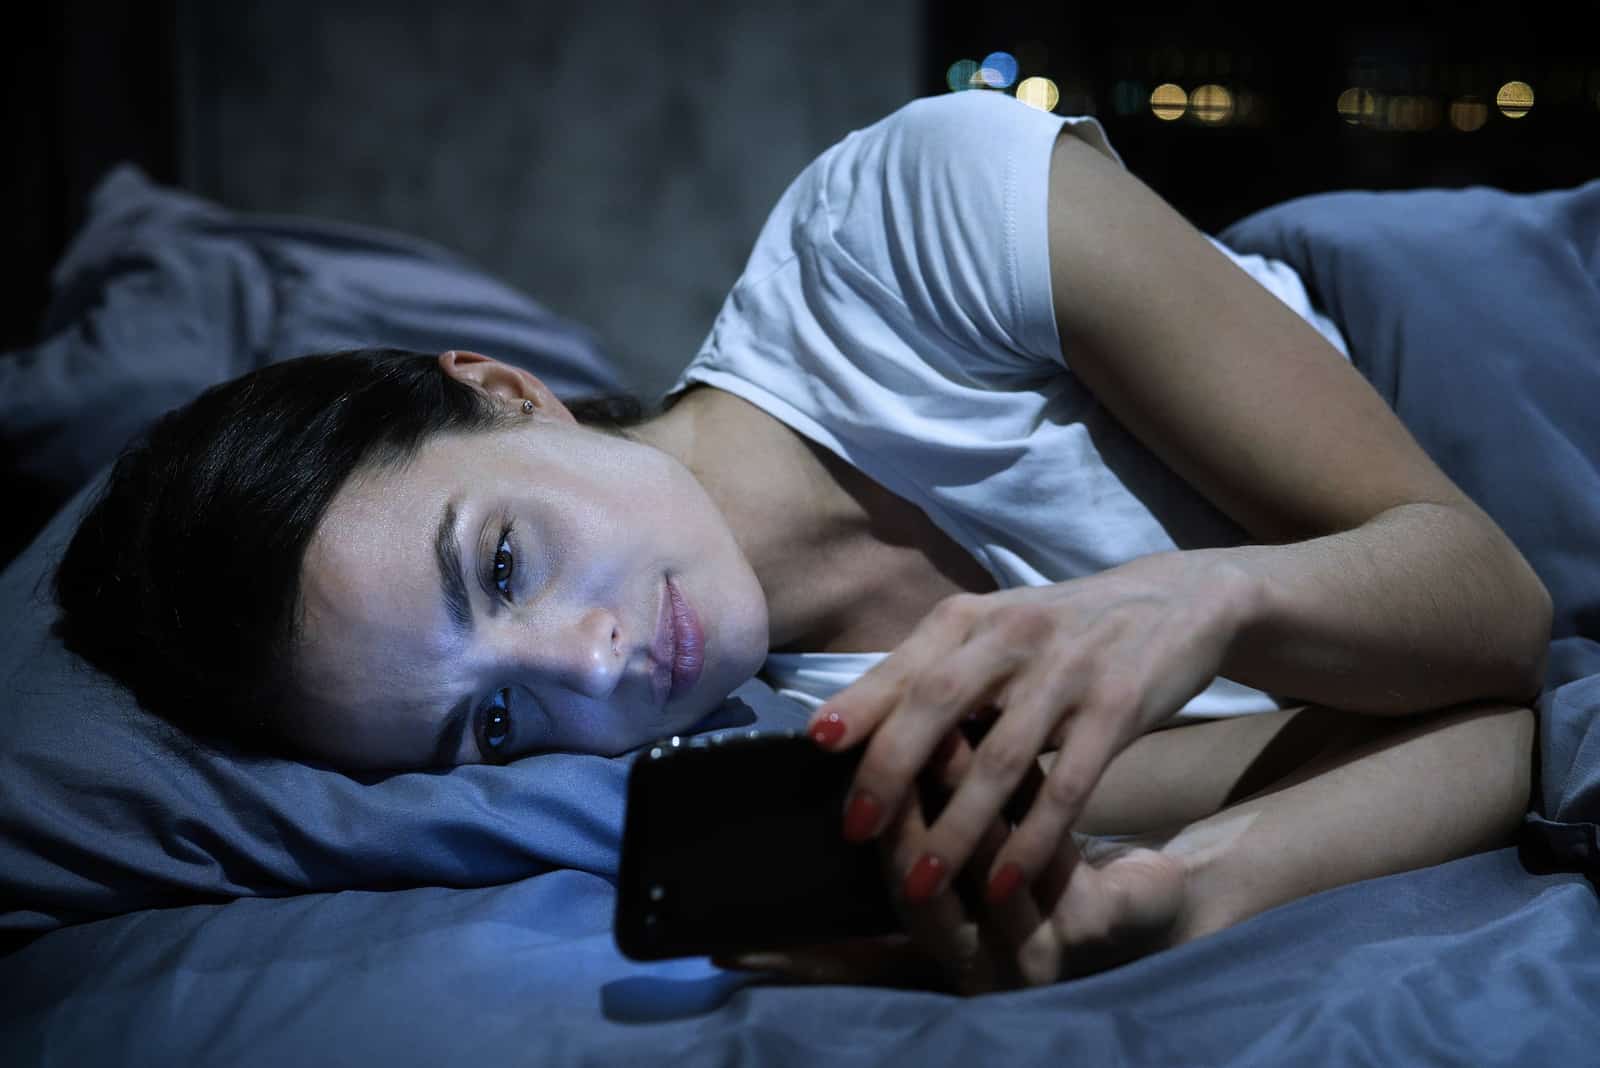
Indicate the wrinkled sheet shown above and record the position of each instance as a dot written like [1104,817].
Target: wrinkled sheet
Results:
[1488,959]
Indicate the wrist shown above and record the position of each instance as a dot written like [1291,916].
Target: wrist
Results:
[1236,591]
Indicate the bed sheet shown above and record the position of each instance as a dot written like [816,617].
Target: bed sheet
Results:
[1473,962]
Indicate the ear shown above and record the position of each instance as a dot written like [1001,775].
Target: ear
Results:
[512,385]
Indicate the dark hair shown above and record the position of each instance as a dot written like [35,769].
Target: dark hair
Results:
[182,580]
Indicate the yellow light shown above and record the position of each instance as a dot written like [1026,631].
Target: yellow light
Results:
[1037,92]
[1168,102]
[1515,99]
[1468,113]
[1212,104]
[1356,106]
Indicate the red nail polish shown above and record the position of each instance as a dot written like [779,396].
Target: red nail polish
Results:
[861,817]
[922,882]
[1004,884]
[828,730]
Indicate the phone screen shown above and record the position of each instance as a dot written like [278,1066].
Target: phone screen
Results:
[736,843]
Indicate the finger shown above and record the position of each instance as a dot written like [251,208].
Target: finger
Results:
[937,697]
[1008,927]
[1016,930]
[940,925]
[1091,738]
[855,711]
[1005,929]
[1005,760]
[1041,954]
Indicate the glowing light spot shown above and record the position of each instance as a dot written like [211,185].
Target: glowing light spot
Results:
[1468,113]
[999,69]
[1515,99]
[960,74]
[1168,102]
[1212,104]
[1356,106]
[1038,93]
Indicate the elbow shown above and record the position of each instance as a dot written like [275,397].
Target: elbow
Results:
[1530,640]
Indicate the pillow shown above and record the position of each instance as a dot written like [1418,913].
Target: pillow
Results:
[1565,825]
[105,809]
[162,294]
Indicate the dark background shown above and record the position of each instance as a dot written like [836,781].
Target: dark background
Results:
[615,161]
[1297,65]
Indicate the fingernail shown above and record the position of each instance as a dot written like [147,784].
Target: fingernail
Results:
[828,730]
[922,882]
[1004,884]
[861,817]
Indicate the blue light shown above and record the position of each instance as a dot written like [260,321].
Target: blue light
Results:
[999,69]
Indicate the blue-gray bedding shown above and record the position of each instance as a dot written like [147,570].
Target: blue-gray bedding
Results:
[165,903]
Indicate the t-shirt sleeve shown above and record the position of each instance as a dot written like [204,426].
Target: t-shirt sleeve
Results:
[945,204]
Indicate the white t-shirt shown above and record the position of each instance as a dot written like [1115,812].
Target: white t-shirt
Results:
[897,310]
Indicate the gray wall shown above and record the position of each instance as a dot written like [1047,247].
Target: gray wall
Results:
[613,160]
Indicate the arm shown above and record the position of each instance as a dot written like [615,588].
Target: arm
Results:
[1394,592]
[1379,585]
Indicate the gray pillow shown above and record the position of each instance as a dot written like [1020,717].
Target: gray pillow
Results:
[162,294]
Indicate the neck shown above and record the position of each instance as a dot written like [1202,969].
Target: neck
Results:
[775,495]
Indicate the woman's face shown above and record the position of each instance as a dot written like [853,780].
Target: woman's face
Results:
[543,587]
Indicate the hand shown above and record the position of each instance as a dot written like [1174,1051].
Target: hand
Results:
[1086,666]
[1098,904]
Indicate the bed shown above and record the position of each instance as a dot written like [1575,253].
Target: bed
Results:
[167,903]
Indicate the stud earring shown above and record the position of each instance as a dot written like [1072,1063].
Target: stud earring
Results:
[527,407]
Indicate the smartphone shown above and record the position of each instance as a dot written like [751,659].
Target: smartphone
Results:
[734,842]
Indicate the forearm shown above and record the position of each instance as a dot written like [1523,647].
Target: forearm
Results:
[1425,793]
[1425,606]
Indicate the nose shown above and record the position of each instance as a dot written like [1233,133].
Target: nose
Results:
[583,654]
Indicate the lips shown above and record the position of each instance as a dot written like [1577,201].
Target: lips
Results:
[688,643]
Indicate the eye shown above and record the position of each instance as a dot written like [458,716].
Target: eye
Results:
[504,564]
[495,727]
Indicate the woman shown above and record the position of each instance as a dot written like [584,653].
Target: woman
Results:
[981,399]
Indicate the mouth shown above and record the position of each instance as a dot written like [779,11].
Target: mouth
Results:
[688,643]
[678,652]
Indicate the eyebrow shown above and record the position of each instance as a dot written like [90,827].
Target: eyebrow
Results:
[452,580]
